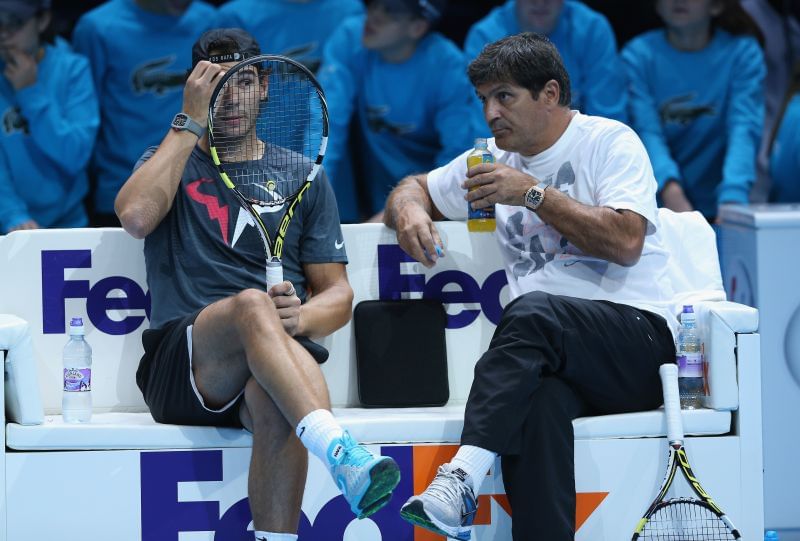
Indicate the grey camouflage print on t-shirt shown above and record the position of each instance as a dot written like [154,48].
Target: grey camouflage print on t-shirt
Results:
[533,258]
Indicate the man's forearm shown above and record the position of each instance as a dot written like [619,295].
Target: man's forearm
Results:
[409,191]
[147,195]
[597,231]
[326,312]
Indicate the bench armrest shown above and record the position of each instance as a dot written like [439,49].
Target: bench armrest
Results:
[719,322]
[22,400]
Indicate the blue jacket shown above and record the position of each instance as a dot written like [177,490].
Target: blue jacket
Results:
[410,116]
[700,114]
[139,61]
[784,163]
[49,129]
[298,30]
[586,42]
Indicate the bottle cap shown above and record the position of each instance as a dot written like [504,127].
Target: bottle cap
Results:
[76,326]
[771,535]
[481,142]
[688,309]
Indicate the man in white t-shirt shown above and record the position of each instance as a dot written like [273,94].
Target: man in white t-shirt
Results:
[587,328]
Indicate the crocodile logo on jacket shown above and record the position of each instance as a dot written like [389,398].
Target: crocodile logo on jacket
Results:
[376,120]
[153,77]
[680,110]
[14,122]
[303,54]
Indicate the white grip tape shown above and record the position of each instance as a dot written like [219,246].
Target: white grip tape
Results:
[672,402]
[274,273]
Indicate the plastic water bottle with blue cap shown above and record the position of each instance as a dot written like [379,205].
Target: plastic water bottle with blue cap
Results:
[76,401]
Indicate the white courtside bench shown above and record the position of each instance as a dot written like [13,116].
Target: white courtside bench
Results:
[125,477]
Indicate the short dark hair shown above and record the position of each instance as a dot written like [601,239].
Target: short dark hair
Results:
[528,60]
[227,44]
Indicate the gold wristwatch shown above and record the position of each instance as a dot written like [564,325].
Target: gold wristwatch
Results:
[534,197]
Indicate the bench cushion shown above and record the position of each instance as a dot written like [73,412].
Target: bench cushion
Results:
[407,425]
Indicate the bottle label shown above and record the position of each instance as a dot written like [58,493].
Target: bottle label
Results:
[690,365]
[77,379]
[480,214]
[485,213]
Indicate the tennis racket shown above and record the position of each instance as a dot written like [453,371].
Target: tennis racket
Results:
[681,519]
[268,130]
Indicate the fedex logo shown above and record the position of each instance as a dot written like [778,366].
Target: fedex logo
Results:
[449,286]
[56,290]
[392,283]
[164,518]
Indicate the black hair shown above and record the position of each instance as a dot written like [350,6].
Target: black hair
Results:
[48,35]
[221,46]
[528,60]
[223,49]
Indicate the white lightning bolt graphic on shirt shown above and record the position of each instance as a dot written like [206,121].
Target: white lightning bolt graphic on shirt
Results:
[244,218]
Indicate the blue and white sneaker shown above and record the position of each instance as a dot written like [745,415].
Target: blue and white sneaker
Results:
[366,480]
[447,506]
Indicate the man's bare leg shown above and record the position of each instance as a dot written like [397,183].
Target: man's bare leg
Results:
[278,465]
[242,336]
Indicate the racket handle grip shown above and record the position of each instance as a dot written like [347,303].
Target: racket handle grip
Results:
[672,403]
[274,272]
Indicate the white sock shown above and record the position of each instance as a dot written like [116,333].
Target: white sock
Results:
[476,461]
[272,536]
[317,430]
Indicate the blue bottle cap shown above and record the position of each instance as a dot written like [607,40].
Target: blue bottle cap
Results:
[76,322]
[688,309]
[771,535]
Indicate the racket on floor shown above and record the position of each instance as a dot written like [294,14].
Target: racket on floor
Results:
[268,129]
[681,519]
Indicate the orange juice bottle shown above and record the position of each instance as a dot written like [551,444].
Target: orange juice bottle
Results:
[480,220]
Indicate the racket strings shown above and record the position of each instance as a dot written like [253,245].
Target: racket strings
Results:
[267,130]
[685,520]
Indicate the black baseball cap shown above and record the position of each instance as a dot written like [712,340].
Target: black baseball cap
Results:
[228,44]
[430,10]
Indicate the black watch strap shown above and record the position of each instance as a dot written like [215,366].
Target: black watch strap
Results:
[182,122]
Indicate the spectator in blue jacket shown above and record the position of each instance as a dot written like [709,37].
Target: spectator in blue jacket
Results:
[583,37]
[139,53]
[294,28]
[697,101]
[784,149]
[405,89]
[50,121]
[779,22]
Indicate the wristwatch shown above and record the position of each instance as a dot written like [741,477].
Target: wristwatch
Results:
[534,197]
[182,122]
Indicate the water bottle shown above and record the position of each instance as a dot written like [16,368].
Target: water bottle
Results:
[690,361]
[76,401]
[770,535]
[480,219]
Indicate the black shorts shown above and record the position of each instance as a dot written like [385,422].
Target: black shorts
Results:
[165,377]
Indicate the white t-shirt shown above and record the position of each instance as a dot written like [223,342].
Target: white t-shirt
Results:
[598,162]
